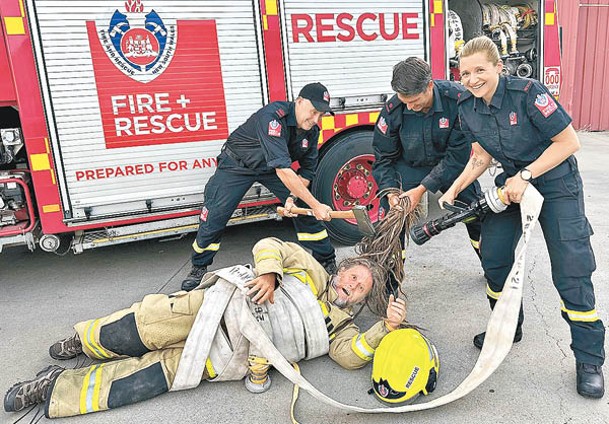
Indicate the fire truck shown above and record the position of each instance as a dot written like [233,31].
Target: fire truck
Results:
[112,113]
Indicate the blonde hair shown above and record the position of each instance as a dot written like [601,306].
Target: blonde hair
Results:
[484,45]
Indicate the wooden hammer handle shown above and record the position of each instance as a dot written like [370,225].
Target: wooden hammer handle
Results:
[303,211]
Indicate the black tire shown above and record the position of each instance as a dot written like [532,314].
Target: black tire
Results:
[344,179]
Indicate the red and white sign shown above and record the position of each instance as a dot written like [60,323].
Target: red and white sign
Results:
[551,79]
[148,95]
[345,27]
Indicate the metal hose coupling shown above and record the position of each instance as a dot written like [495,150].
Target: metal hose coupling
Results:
[492,200]
[258,379]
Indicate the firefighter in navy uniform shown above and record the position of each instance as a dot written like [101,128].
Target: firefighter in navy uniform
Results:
[262,150]
[418,145]
[518,122]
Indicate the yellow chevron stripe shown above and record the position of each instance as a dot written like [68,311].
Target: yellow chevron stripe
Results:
[97,387]
[312,236]
[83,391]
[492,294]
[210,369]
[580,316]
[89,341]
[213,247]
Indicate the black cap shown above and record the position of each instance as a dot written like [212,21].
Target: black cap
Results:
[317,94]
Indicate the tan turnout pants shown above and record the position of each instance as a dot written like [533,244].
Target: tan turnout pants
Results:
[147,338]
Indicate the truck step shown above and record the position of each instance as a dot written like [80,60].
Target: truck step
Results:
[85,240]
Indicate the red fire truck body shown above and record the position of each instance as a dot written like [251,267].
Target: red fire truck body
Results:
[112,113]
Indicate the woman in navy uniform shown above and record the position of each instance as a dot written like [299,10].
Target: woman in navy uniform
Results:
[519,123]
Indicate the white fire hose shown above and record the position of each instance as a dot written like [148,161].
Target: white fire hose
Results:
[499,333]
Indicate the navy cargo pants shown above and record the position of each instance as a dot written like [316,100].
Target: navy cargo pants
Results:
[567,234]
[224,191]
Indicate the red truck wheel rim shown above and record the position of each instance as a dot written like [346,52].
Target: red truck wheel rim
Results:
[354,185]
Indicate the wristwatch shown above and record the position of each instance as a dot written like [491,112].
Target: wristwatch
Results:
[526,175]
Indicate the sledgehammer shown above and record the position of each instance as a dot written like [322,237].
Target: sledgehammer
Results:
[359,213]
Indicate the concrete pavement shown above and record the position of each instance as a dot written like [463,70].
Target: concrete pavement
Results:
[42,295]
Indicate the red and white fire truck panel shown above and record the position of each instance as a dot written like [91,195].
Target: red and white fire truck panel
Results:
[112,113]
[140,96]
[351,47]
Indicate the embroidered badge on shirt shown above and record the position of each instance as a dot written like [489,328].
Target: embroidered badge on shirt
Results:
[275,128]
[513,118]
[545,104]
[305,143]
[382,125]
[204,213]
[443,123]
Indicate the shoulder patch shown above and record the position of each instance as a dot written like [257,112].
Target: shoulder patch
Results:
[449,89]
[393,104]
[281,112]
[463,96]
[519,84]
[382,125]
[274,128]
[546,104]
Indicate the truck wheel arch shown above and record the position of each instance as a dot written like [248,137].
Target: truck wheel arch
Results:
[344,180]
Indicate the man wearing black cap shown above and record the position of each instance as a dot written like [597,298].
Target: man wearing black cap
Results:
[262,150]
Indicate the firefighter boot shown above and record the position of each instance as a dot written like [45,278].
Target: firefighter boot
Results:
[330,266]
[30,392]
[258,379]
[590,381]
[193,279]
[479,339]
[66,349]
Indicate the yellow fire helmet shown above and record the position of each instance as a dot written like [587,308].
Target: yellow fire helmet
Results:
[405,364]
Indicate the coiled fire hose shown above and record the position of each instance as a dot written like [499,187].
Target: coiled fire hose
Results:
[499,333]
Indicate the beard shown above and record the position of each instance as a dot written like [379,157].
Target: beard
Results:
[341,303]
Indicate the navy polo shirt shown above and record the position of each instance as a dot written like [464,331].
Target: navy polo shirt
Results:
[271,139]
[432,139]
[518,124]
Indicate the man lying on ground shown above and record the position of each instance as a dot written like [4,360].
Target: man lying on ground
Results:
[149,337]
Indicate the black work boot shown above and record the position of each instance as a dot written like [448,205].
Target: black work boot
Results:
[193,279]
[329,265]
[66,349]
[30,392]
[590,381]
[479,339]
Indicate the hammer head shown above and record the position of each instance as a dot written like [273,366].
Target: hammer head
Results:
[364,225]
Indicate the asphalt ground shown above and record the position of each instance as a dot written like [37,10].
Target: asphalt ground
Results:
[42,295]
